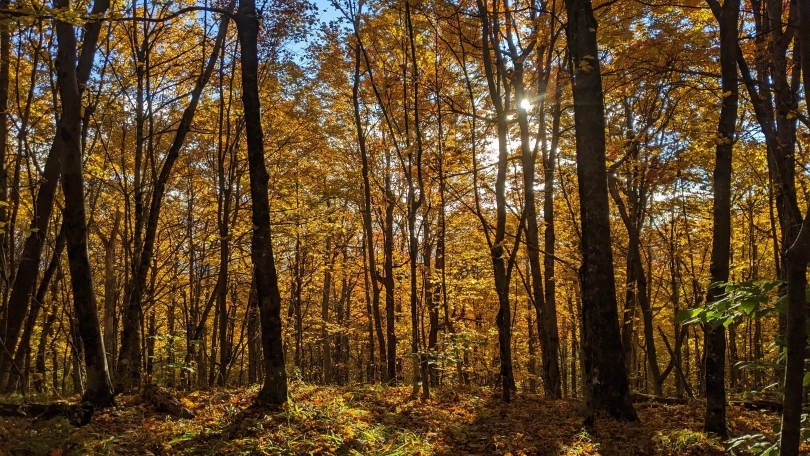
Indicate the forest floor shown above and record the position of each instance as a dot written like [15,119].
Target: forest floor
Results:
[375,420]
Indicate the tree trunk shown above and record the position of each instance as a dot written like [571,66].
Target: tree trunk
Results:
[388,278]
[24,348]
[39,377]
[633,221]
[110,340]
[796,261]
[254,336]
[367,225]
[605,376]
[99,387]
[274,390]
[416,198]
[715,338]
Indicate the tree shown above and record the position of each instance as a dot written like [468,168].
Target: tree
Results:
[721,240]
[274,389]
[99,386]
[605,379]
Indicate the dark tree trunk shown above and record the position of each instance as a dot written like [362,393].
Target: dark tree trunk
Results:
[99,387]
[551,332]
[432,288]
[254,336]
[274,390]
[24,348]
[388,279]
[796,261]
[632,217]
[605,376]
[715,339]
[5,54]
[416,198]
[39,377]
[326,339]
[367,225]
[501,260]
[110,339]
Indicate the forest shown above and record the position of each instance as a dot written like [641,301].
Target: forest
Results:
[404,227]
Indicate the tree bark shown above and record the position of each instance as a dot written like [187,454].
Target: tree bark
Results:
[99,387]
[24,348]
[605,376]
[715,337]
[367,225]
[274,390]
[796,261]
[326,339]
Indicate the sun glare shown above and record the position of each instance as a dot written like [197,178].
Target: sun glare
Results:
[526,104]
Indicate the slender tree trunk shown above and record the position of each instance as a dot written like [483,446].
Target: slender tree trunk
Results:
[254,336]
[99,387]
[636,276]
[367,225]
[110,342]
[551,332]
[501,262]
[326,339]
[5,61]
[796,261]
[274,390]
[24,348]
[715,337]
[605,376]
[42,348]
[388,279]
[416,198]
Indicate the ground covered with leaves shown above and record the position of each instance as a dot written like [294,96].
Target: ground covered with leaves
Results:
[375,420]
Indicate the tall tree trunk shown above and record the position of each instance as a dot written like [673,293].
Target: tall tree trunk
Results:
[416,198]
[796,261]
[605,376]
[274,390]
[99,387]
[636,276]
[5,61]
[715,338]
[110,340]
[501,260]
[432,286]
[24,348]
[388,278]
[326,339]
[367,225]
[551,332]
[42,348]
[254,336]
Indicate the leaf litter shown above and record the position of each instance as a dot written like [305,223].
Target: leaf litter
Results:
[376,420]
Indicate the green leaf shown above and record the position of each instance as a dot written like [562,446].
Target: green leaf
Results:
[748,306]
[687,314]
